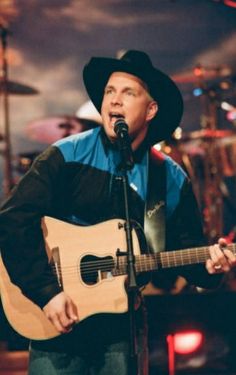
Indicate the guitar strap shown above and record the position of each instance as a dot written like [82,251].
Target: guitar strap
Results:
[154,216]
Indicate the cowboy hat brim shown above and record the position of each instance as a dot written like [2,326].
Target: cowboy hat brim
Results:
[170,104]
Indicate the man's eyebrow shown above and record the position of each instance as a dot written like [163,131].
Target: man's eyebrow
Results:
[130,88]
[108,87]
[123,89]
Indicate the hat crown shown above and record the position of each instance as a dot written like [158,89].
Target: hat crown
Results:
[137,58]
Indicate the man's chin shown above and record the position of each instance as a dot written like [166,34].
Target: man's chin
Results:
[112,139]
[111,135]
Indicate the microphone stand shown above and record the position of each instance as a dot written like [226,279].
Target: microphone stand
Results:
[132,288]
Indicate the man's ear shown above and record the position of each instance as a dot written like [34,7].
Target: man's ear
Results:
[152,110]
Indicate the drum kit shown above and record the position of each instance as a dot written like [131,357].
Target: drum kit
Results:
[208,155]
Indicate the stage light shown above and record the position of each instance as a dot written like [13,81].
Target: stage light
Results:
[199,71]
[230,3]
[198,91]
[231,115]
[184,343]
[187,342]
[230,109]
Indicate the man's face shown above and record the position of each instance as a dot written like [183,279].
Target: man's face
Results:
[125,96]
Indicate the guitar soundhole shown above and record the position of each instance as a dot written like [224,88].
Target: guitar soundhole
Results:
[94,269]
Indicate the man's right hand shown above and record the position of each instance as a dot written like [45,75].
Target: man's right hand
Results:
[62,312]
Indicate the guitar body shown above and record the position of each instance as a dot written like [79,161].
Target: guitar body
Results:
[23,315]
[77,249]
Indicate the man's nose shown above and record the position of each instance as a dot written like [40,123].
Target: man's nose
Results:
[116,99]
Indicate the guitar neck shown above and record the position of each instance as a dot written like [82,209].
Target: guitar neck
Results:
[168,259]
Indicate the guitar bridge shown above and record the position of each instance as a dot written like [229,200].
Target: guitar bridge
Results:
[56,265]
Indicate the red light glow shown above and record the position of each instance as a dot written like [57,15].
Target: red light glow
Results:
[231,115]
[187,342]
[198,71]
[230,3]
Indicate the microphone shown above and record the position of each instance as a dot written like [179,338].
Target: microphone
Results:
[124,143]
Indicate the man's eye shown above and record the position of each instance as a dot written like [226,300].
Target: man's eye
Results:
[130,93]
[108,91]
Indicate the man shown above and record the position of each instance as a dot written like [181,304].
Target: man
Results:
[78,179]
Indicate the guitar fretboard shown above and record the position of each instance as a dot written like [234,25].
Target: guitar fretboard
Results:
[168,259]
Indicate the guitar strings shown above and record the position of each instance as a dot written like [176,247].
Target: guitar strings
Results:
[148,259]
[166,260]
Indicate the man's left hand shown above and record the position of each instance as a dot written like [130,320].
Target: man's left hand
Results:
[221,258]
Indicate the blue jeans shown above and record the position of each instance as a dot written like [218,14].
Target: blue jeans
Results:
[113,362]
[99,346]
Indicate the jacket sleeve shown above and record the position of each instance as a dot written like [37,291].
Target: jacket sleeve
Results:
[21,237]
[185,230]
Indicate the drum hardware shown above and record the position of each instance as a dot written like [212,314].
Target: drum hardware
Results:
[48,130]
[8,87]
[51,129]
[212,196]
[16,88]
[207,134]
[8,178]
[208,155]
[24,161]
[216,164]
[201,73]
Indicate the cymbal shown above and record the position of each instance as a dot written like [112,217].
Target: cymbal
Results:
[202,73]
[207,134]
[17,88]
[51,129]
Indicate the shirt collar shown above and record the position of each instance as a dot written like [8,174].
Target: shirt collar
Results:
[138,154]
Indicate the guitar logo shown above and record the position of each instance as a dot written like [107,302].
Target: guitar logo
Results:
[157,206]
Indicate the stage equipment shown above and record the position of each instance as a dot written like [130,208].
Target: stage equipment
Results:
[185,342]
[202,73]
[16,88]
[193,312]
[8,87]
[208,154]
[51,129]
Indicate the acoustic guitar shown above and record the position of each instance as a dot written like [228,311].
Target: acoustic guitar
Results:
[91,266]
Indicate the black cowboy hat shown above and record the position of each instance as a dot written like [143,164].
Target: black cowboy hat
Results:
[162,89]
